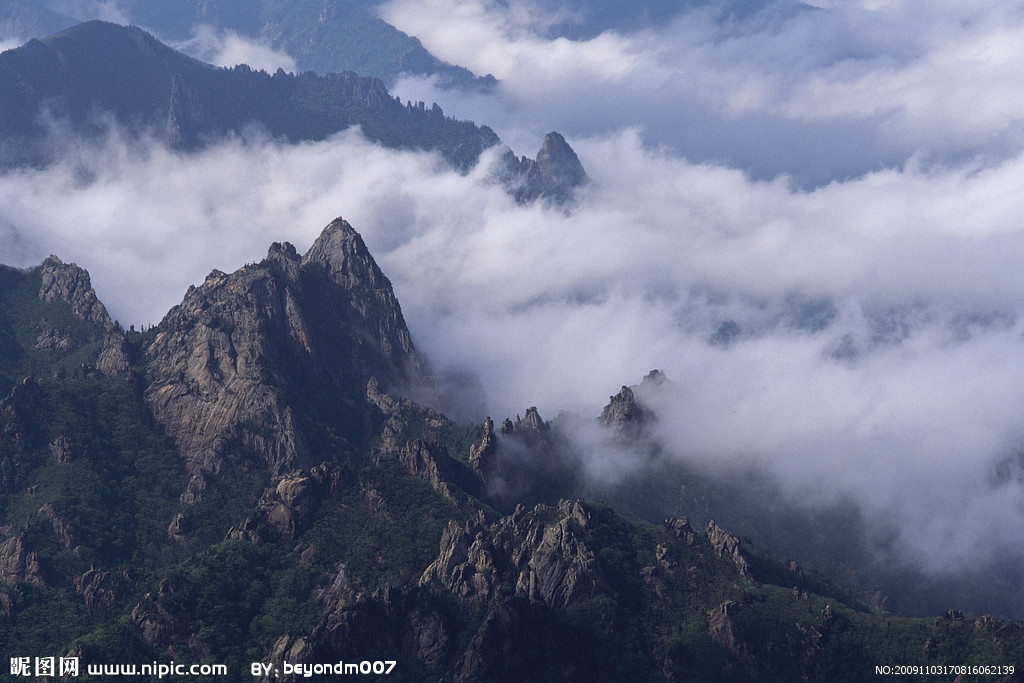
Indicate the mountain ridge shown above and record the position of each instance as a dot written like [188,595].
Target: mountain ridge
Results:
[96,72]
[250,485]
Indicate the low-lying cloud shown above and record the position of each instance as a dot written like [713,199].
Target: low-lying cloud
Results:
[813,93]
[228,48]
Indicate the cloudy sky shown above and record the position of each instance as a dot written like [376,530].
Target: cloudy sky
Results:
[805,216]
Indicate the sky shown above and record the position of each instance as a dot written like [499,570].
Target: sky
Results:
[807,218]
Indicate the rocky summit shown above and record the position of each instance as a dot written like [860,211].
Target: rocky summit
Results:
[251,481]
[232,361]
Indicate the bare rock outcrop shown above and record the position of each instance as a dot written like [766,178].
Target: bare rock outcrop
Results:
[728,546]
[230,361]
[288,508]
[62,529]
[99,588]
[481,453]
[722,630]
[553,174]
[71,284]
[18,562]
[540,553]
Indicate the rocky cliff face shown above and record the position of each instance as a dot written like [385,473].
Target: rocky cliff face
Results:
[231,361]
[69,283]
[540,552]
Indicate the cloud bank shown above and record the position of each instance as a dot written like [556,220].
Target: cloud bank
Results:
[813,93]
[228,48]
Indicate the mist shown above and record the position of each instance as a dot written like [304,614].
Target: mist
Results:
[808,220]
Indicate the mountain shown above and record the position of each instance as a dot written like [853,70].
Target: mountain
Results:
[252,481]
[97,68]
[98,72]
[321,37]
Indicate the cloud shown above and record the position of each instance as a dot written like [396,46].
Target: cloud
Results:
[817,94]
[228,48]
[866,333]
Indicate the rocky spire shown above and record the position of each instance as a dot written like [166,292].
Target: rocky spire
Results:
[560,168]
[554,174]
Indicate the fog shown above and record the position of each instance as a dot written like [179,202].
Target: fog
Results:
[228,48]
[808,220]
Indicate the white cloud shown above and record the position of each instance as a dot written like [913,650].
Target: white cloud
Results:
[815,94]
[228,48]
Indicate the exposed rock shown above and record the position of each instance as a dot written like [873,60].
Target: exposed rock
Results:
[52,339]
[288,508]
[532,421]
[623,414]
[71,284]
[722,630]
[195,490]
[18,563]
[560,168]
[187,117]
[728,546]
[216,369]
[156,618]
[544,559]
[62,530]
[681,529]
[98,588]
[179,528]
[465,563]
[114,354]
[292,649]
[554,174]
[482,451]
[60,449]
[951,616]
[401,417]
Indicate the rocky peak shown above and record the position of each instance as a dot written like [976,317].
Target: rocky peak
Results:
[553,174]
[69,283]
[625,413]
[531,421]
[622,411]
[654,378]
[230,362]
[560,168]
[343,255]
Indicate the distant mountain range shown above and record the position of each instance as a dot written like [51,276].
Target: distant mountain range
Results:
[324,37]
[248,481]
[82,75]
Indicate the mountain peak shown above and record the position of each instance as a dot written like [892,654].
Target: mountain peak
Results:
[330,317]
[343,255]
[553,174]
[560,168]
